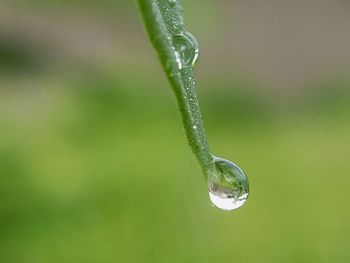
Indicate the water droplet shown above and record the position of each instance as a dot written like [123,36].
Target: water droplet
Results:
[172,2]
[228,185]
[194,127]
[186,49]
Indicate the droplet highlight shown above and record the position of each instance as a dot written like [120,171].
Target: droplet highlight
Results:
[186,49]
[228,185]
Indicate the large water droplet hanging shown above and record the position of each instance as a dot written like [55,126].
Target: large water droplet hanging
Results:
[228,185]
[186,49]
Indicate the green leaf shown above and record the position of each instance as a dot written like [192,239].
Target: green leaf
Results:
[177,51]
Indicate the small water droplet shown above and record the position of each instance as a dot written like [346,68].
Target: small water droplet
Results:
[194,127]
[228,185]
[172,2]
[186,49]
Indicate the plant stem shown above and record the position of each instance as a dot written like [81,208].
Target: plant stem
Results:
[163,20]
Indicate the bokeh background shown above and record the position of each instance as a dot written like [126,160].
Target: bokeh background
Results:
[94,165]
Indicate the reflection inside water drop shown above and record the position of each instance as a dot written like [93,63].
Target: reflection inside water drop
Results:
[186,49]
[228,185]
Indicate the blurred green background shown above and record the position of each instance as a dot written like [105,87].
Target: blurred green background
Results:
[94,165]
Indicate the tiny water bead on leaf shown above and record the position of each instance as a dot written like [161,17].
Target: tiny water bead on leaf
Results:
[228,185]
[172,2]
[186,49]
